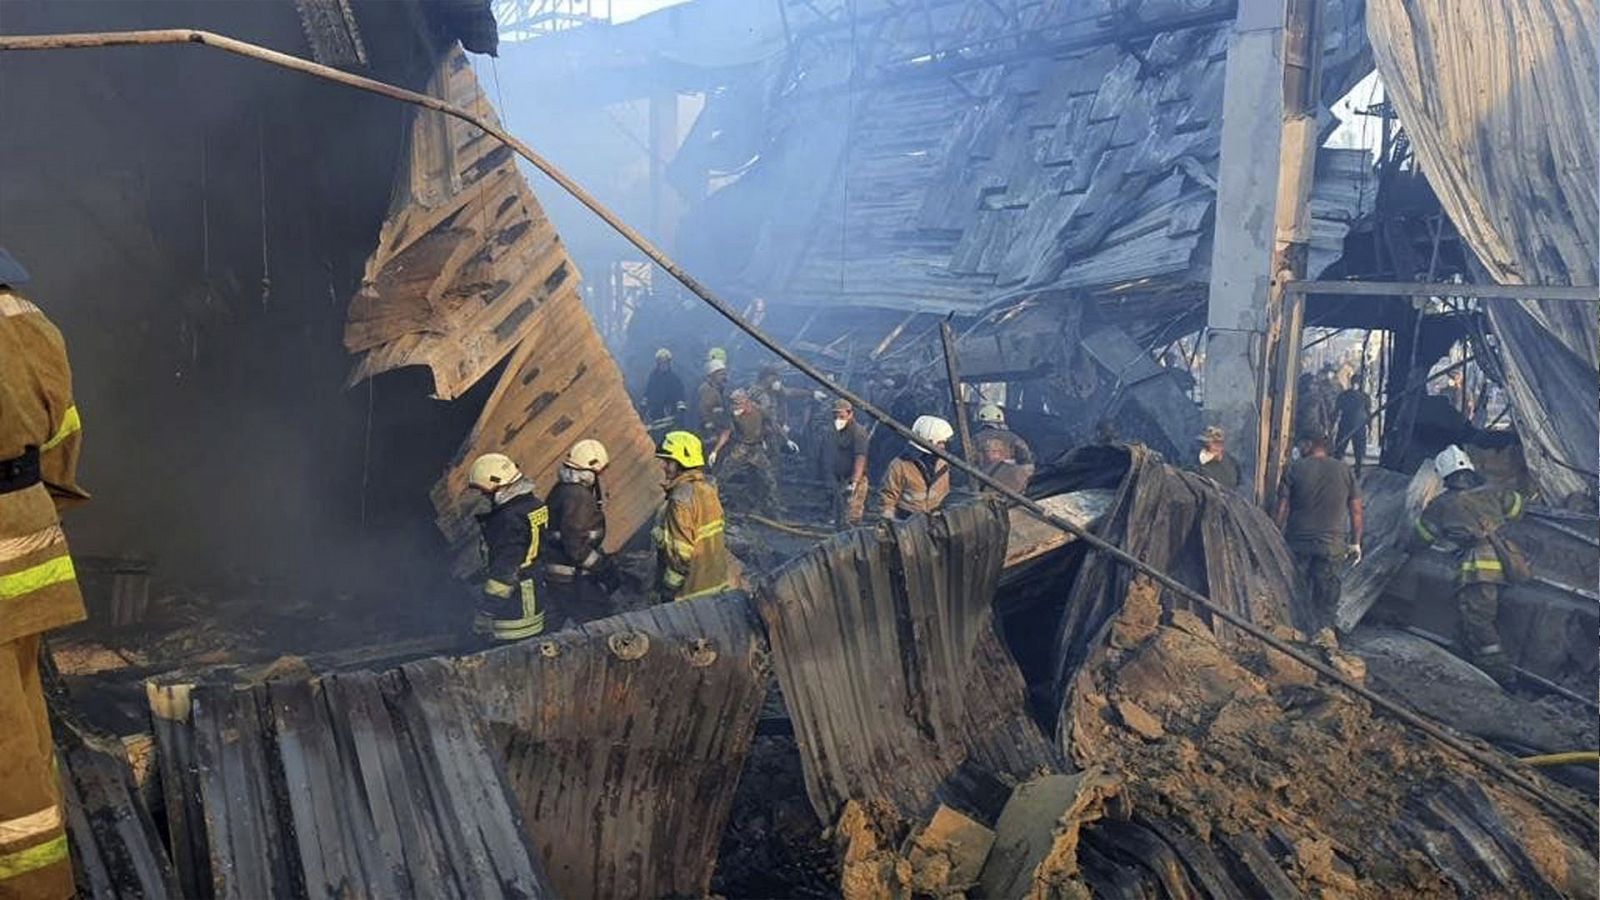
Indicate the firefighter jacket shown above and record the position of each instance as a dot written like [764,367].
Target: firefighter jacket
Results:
[1467,519]
[711,409]
[512,531]
[39,444]
[915,483]
[577,526]
[691,556]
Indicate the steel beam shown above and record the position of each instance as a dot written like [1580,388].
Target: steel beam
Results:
[1575,293]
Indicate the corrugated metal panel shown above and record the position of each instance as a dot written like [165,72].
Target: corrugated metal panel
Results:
[1499,99]
[624,740]
[466,256]
[901,694]
[562,385]
[358,785]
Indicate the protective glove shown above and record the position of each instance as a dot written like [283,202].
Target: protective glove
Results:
[1354,556]
[791,446]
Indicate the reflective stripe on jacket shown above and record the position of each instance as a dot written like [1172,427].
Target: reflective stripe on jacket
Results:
[38,585]
[691,552]
[912,486]
[512,532]
[1466,518]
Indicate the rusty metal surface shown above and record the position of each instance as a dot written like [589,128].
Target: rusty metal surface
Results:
[901,694]
[624,740]
[358,785]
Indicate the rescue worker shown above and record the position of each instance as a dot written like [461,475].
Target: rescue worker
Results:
[1352,408]
[992,424]
[847,465]
[664,392]
[1469,515]
[508,608]
[772,397]
[1320,514]
[39,444]
[746,438]
[691,556]
[1215,463]
[711,403]
[579,573]
[917,481]
[994,457]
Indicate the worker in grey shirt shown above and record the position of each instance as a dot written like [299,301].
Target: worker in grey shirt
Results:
[1319,512]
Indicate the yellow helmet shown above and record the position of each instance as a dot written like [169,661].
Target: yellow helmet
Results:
[717,353]
[588,455]
[683,448]
[991,414]
[492,471]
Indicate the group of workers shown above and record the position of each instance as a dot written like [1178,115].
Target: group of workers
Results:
[1320,512]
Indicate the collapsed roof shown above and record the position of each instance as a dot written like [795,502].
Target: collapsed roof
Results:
[928,159]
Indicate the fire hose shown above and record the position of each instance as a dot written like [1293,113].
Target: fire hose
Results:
[1513,774]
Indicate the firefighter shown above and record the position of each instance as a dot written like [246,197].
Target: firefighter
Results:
[39,438]
[746,438]
[691,557]
[663,392]
[992,424]
[1469,515]
[917,481]
[39,590]
[579,573]
[711,402]
[508,608]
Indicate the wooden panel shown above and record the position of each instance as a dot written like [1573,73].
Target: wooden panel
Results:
[465,256]
[560,387]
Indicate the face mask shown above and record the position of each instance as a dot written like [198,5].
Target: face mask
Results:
[839,424]
[1207,456]
[777,385]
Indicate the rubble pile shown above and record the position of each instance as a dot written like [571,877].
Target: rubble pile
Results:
[1290,785]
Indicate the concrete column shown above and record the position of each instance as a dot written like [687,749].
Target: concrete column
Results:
[1267,153]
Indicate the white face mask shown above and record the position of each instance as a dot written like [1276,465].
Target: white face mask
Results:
[839,424]
[777,385]
[1207,456]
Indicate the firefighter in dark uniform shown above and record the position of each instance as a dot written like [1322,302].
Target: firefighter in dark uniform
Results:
[508,608]
[580,575]
[1469,515]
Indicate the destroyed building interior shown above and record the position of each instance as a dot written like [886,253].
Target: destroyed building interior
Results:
[316,261]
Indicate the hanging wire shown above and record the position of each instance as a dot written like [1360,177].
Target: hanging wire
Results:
[261,165]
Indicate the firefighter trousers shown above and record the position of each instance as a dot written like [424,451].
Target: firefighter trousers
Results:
[34,864]
[1478,605]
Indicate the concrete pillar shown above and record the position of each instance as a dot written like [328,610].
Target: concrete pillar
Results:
[1268,147]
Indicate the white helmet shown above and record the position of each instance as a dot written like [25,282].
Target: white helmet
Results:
[587,455]
[1451,460]
[714,365]
[931,430]
[493,471]
[991,414]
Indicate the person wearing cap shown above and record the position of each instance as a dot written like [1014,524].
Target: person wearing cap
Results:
[1215,463]
[992,426]
[847,465]
[746,438]
[1468,516]
[711,402]
[581,576]
[664,393]
[769,393]
[40,439]
[1320,514]
[917,481]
